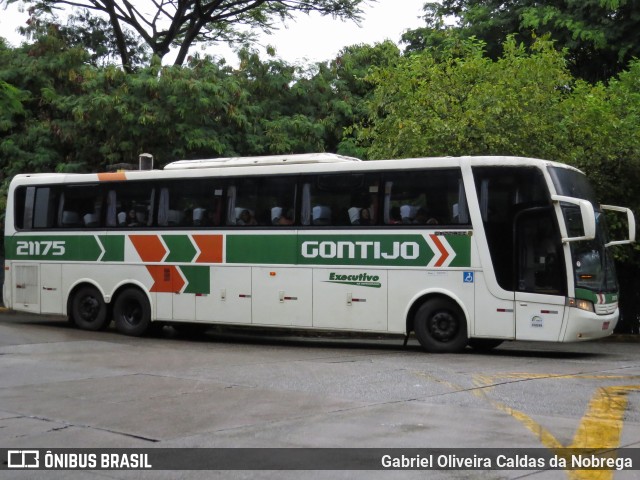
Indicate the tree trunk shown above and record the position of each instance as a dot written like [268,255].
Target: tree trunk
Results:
[120,40]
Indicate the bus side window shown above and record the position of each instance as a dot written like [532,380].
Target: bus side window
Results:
[340,200]
[194,203]
[130,204]
[262,201]
[35,207]
[425,197]
[80,206]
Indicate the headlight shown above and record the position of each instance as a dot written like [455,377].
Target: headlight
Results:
[581,304]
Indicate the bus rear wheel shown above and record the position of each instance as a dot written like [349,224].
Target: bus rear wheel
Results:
[132,312]
[88,310]
[441,326]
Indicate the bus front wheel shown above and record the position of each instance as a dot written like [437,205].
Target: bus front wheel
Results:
[132,312]
[88,310]
[441,327]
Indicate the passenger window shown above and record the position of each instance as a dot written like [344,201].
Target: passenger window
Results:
[191,203]
[130,204]
[262,202]
[80,206]
[429,197]
[36,207]
[340,200]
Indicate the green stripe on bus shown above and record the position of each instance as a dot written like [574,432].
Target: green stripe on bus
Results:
[402,250]
[276,249]
[408,250]
[113,248]
[461,244]
[198,279]
[181,249]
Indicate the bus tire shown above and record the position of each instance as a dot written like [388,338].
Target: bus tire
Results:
[441,326]
[132,312]
[484,344]
[88,310]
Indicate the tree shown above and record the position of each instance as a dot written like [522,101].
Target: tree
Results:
[461,102]
[181,23]
[88,32]
[44,73]
[92,33]
[601,36]
[10,105]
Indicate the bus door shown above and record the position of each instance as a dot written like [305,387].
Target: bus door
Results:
[525,248]
[540,275]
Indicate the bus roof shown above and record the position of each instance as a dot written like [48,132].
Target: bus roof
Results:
[303,158]
[316,163]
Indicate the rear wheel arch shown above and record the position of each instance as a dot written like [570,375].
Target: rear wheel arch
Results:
[447,331]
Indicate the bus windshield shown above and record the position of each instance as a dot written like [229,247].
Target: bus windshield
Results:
[594,267]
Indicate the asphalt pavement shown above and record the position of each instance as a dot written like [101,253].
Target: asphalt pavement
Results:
[61,387]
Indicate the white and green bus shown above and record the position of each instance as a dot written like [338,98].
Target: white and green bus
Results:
[461,251]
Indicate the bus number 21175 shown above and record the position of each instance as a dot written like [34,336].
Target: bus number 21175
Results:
[43,247]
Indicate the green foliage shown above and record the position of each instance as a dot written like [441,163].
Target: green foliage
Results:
[35,140]
[75,116]
[526,103]
[10,105]
[601,36]
[466,104]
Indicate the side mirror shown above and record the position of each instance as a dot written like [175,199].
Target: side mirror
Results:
[631,220]
[588,217]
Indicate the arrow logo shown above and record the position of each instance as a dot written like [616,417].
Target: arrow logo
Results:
[444,254]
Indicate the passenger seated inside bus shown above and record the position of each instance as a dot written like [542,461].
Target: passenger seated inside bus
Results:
[408,213]
[365,217]
[211,218]
[246,218]
[423,218]
[359,216]
[282,216]
[394,216]
[132,219]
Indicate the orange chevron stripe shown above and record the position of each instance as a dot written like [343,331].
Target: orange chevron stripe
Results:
[166,279]
[443,251]
[149,247]
[210,247]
